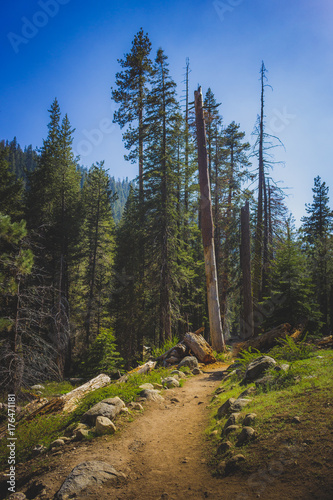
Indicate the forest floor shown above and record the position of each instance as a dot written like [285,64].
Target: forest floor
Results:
[165,453]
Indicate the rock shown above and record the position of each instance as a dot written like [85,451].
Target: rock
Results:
[224,447]
[104,426]
[225,408]
[284,367]
[17,496]
[296,420]
[234,417]
[109,408]
[239,404]
[81,434]
[257,367]
[170,382]
[135,406]
[221,467]
[229,375]
[230,429]
[151,395]
[88,474]
[234,463]
[246,435]
[146,386]
[196,371]
[214,433]
[247,392]
[37,387]
[157,386]
[264,381]
[190,361]
[57,443]
[38,449]
[178,373]
[219,390]
[249,419]
[124,410]
[65,439]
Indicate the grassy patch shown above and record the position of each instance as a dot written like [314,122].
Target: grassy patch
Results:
[304,391]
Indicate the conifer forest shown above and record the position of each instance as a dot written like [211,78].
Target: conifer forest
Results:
[94,270]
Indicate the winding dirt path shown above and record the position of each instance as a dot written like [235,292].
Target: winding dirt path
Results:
[163,452]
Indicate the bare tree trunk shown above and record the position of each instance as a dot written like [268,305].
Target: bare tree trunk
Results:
[247,327]
[258,250]
[207,230]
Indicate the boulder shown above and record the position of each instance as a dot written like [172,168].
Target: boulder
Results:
[146,386]
[246,435]
[17,496]
[88,474]
[190,361]
[104,426]
[249,419]
[135,406]
[177,373]
[225,408]
[224,447]
[37,387]
[239,404]
[109,408]
[151,395]
[170,382]
[81,434]
[230,429]
[57,443]
[196,371]
[234,463]
[257,367]
[232,420]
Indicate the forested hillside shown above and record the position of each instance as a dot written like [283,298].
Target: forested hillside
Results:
[85,284]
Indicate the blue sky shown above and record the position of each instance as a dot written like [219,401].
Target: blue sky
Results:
[69,48]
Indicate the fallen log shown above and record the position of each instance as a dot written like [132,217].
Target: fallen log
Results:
[265,341]
[66,403]
[200,348]
[140,370]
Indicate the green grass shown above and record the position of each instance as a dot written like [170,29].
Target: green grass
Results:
[306,386]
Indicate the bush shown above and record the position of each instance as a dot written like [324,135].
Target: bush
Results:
[288,350]
[168,344]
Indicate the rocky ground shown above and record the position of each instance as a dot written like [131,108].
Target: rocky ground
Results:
[164,454]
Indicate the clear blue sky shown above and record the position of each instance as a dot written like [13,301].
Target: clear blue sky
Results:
[69,48]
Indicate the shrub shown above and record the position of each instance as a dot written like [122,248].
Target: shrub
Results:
[288,350]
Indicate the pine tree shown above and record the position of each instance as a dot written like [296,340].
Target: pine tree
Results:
[316,229]
[97,243]
[53,215]
[235,172]
[161,181]
[131,93]
[292,299]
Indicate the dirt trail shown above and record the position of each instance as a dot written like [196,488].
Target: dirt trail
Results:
[162,453]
